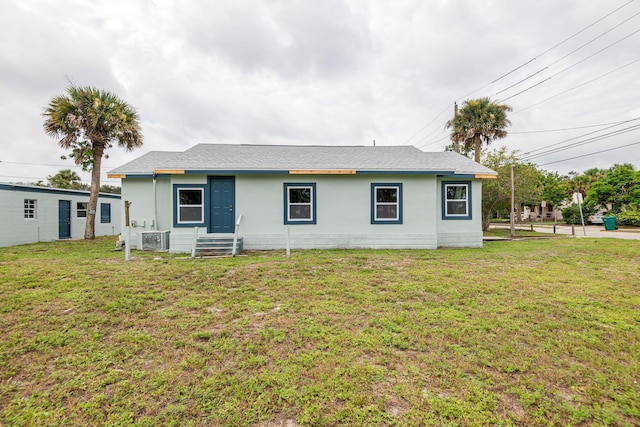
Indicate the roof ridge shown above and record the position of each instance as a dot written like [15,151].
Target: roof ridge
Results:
[301,145]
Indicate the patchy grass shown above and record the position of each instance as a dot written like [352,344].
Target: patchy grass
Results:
[532,333]
[520,232]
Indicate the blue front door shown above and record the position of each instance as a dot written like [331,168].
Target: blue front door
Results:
[223,200]
[64,219]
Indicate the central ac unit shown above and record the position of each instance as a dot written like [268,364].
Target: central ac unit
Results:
[153,240]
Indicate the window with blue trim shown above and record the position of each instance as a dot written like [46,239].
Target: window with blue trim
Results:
[299,203]
[105,213]
[386,203]
[190,205]
[456,200]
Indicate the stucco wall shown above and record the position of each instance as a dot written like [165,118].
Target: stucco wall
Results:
[461,233]
[15,229]
[343,215]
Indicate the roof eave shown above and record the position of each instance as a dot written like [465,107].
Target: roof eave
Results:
[171,172]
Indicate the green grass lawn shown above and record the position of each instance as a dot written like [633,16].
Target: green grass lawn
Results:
[539,332]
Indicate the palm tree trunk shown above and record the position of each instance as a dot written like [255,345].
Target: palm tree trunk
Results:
[478,145]
[90,228]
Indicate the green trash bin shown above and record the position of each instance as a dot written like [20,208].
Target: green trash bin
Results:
[609,222]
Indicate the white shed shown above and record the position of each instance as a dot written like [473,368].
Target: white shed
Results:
[30,214]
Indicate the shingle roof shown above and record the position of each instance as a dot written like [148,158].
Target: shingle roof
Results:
[255,158]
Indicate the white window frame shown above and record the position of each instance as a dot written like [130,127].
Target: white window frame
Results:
[201,205]
[375,203]
[80,210]
[466,200]
[312,203]
[30,211]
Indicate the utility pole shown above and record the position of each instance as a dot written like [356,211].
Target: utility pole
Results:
[513,205]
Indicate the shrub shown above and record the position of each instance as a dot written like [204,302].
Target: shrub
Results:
[629,218]
[571,215]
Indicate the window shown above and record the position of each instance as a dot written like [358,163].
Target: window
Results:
[81,209]
[456,203]
[105,213]
[190,203]
[30,208]
[386,203]
[300,203]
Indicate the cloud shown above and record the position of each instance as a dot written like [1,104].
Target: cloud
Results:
[320,40]
[331,72]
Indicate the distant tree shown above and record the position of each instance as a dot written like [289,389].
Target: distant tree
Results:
[460,149]
[110,189]
[479,120]
[66,178]
[555,188]
[619,187]
[89,121]
[496,193]
[582,182]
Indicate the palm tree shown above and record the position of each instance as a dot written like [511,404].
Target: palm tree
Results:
[66,178]
[479,120]
[88,121]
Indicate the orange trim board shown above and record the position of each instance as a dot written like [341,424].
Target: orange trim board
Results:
[323,172]
[170,171]
[480,176]
[116,175]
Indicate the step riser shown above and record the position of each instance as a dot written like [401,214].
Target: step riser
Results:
[212,245]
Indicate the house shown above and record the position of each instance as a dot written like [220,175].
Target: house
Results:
[306,196]
[31,214]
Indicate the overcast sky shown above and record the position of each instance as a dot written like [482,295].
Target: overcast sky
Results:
[330,72]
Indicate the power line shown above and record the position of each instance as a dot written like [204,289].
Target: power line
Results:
[567,55]
[583,135]
[564,129]
[102,181]
[46,164]
[523,65]
[433,142]
[570,66]
[575,87]
[427,125]
[567,39]
[591,154]
[587,141]
[528,154]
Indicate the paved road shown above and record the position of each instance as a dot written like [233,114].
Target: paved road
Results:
[593,231]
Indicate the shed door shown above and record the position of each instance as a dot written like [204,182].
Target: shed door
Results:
[222,204]
[64,219]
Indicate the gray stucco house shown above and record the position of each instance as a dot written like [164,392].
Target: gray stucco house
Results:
[306,196]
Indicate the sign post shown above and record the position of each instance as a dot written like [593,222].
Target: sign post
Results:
[577,198]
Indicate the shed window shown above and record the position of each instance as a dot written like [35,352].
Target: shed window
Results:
[81,209]
[30,208]
[105,213]
[300,203]
[190,205]
[386,203]
[456,200]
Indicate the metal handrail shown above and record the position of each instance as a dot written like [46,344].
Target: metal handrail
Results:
[235,236]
